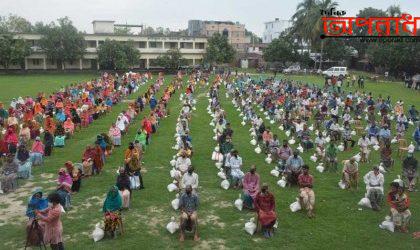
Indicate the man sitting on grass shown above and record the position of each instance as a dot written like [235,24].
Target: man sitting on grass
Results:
[375,187]
[351,173]
[188,205]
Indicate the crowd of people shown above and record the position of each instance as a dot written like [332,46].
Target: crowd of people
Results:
[328,121]
[55,118]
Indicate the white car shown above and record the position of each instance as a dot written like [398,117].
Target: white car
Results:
[292,69]
[335,71]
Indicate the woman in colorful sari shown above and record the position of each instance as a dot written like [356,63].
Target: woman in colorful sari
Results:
[37,152]
[25,133]
[49,125]
[111,210]
[68,127]
[115,134]
[11,140]
[36,202]
[141,138]
[76,176]
[251,187]
[64,183]
[48,142]
[53,228]
[25,163]
[87,160]
[265,206]
[399,203]
[98,160]
[123,184]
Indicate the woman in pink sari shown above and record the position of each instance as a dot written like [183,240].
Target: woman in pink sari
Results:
[50,218]
[251,187]
[37,152]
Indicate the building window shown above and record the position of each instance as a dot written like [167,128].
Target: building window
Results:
[225,33]
[152,45]
[91,44]
[199,45]
[36,62]
[142,45]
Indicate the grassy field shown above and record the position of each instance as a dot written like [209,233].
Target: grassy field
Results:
[13,86]
[338,223]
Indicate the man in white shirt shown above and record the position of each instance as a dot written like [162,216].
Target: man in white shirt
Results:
[375,187]
[183,162]
[190,178]
[364,143]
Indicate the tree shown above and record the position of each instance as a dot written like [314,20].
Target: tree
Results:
[219,50]
[171,60]
[281,50]
[307,22]
[254,38]
[13,51]
[15,24]
[122,31]
[62,42]
[115,55]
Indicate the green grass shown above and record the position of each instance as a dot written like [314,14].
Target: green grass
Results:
[13,86]
[338,223]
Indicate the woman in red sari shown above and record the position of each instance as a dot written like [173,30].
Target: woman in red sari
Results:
[265,206]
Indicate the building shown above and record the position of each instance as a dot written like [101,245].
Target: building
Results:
[150,47]
[235,32]
[273,29]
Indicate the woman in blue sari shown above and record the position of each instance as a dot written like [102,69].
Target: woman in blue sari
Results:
[36,202]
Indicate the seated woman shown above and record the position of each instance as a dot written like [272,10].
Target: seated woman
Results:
[87,160]
[306,194]
[115,134]
[123,185]
[111,209]
[59,141]
[251,187]
[399,203]
[8,174]
[265,206]
[234,162]
[25,133]
[64,184]
[37,152]
[36,202]
[24,162]
[68,127]
[76,176]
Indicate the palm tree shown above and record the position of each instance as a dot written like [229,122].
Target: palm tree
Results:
[307,23]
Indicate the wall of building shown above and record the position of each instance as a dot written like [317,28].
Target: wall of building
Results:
[150,48]
[272,30]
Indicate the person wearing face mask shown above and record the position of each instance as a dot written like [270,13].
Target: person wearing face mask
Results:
[190,178]
[293,168]
[265,206]
[251,187]
[188,205]
[306,194]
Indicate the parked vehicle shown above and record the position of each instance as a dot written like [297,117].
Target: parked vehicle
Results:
[292,69]
[335,71]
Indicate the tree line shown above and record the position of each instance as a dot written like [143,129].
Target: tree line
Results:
[307,26]
[62,42]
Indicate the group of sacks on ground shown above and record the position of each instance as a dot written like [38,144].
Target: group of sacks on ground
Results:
[173,225]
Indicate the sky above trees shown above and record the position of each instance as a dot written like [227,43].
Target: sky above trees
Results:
[175,14]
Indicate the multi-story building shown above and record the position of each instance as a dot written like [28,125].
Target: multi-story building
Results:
[235,32]
[150,47]
[273,29]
